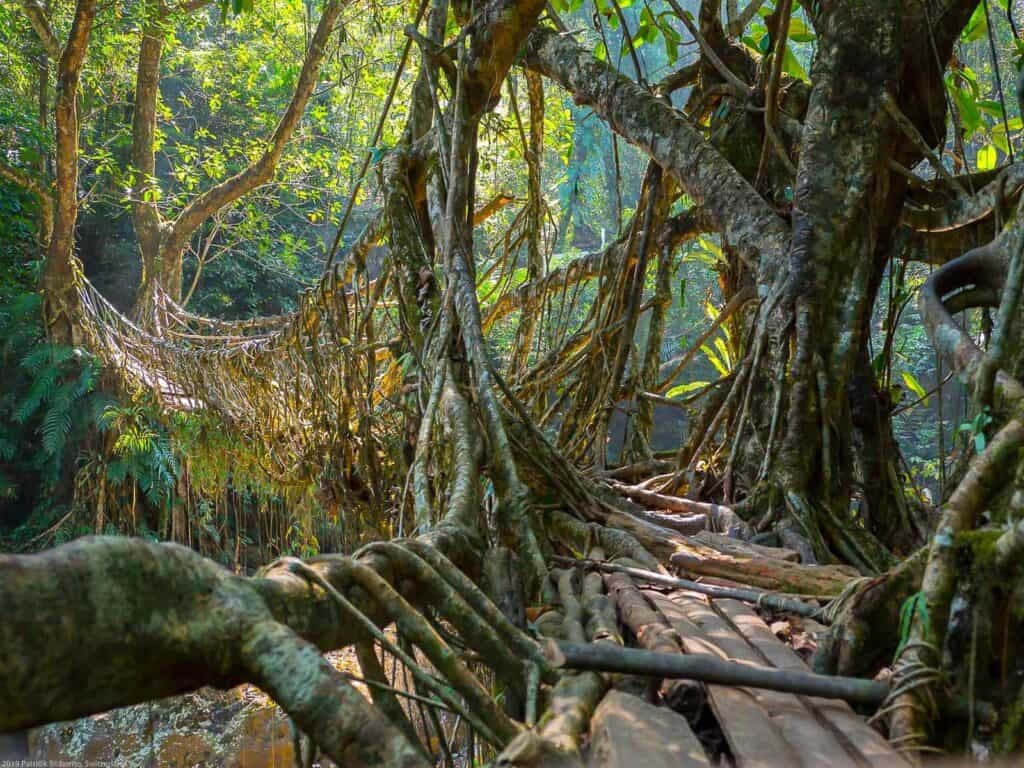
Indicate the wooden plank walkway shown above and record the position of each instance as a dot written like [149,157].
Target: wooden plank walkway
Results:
[768,729]
[761,728]
[627,731]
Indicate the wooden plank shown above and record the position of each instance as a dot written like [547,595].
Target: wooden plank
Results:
[812,744]
[753,738]
[627,732]
[861,737]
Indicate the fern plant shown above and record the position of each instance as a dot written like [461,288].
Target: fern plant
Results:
[142,451]
[48,402]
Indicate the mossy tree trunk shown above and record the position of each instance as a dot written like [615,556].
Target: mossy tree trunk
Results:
[805,427]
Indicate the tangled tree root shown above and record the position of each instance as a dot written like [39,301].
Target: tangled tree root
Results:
[168,621]
[865,620]
[585,616]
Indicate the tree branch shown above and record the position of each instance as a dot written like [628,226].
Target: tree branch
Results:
[729,202]
[738,20]
[262,170]
[490,55]
[741,89]
[41,24]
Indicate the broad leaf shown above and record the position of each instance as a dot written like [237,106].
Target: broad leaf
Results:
[914,386]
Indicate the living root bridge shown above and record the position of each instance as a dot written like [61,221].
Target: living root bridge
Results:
[107,622]
[707,669]
[768,599]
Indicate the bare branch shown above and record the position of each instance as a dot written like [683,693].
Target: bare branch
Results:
[919,141]
[738,20]
[741,88]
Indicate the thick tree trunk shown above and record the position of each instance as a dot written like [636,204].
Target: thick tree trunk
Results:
[837,433]
[164,620]
[845,207]
[804,395]
[145,185]
[58,280]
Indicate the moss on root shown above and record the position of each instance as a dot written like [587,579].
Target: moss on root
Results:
[978,548]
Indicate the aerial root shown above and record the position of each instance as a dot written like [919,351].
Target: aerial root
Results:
[522,644]
[555,741]
[322,702]
[450,605]
[482,710]
[863,620]
[383,695]
[580,537]
[460,690]
[514,656]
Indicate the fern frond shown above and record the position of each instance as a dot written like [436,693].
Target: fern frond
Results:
[44,355]
[39,392]
[57,422]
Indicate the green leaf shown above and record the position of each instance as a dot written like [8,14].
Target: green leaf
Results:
[792,67]
[979,442]
[987,158]
[799,32]
[714,360]
[723,351]
[649,28]
[970,115]
[991,107]
[683,389]
[711,311]
[914,607]
[977,26]
[914,386]
[998,137]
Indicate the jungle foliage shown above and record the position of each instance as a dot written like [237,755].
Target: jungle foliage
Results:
[490,280]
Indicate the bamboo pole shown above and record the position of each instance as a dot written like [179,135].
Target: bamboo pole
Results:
[708,669]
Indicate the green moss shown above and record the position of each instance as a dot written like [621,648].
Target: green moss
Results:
[979,547]
[1008,740]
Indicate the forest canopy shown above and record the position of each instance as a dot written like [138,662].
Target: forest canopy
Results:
[444,330]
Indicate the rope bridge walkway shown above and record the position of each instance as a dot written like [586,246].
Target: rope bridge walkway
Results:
[289,385]
[298,388]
